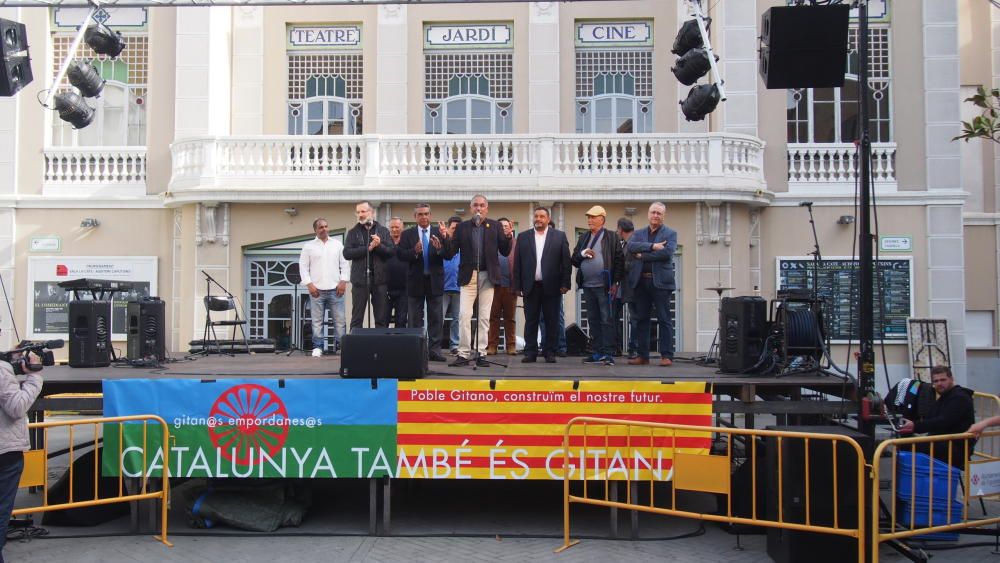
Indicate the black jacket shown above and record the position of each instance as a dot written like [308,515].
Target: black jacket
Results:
[356,248]
[415,273]
[494,241]
[611,250]
[952,413]
[556,266]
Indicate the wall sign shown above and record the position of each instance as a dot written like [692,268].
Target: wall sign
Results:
[468,35]
[119,18]
[895,244]
[45,244]
[325,36]
[614,33]
[838,288]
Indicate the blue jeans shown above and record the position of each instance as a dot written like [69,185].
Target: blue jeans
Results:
[451,303]
[647,296]
[602,332]
[10,475]
[327,299]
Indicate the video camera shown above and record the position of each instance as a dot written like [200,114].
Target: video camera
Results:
[19,358]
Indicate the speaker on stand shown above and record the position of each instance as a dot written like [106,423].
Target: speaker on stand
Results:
[146,327]
[89,333]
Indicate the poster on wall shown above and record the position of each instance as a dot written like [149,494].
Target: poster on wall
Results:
[48,304]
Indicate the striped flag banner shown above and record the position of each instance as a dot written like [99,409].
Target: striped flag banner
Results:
[514,429]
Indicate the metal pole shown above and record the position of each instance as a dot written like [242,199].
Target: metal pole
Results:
[69,56]
[716,76]
[866,317]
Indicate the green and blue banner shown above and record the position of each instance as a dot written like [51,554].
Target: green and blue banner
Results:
[254,427]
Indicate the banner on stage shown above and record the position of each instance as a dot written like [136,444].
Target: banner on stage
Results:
[430,429]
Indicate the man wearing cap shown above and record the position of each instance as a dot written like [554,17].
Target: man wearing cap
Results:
[600,265]
[653,280]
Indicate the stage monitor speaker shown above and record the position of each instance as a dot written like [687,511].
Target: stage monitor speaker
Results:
[89,334]
[786,546]
[742,331]
[146,327]
[803,46]
[388,353]
[577,342]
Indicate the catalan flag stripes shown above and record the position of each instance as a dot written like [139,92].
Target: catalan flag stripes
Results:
[514,429]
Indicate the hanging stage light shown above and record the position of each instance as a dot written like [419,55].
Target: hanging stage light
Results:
[689,37]
[104,41]
[692,66]
[73,109]
[85,78]
[701,101]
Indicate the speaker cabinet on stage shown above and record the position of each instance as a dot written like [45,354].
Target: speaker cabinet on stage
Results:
[742,330]
[146,327]
[803,46]
[89,334]
[577,342]
[388,353]
[788,546]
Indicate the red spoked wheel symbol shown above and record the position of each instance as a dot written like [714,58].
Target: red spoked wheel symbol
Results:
[242,414]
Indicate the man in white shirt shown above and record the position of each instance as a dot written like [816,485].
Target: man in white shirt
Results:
[325,273]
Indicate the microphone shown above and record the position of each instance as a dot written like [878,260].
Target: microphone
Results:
[368,222]
[806,204]
[58,343]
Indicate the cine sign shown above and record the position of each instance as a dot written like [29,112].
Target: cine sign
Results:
[324,36]
[614,33]
[468,35]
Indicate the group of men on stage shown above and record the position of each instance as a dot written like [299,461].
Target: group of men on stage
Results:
[403,273]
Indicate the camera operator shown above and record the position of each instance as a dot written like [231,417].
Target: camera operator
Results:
[15,400]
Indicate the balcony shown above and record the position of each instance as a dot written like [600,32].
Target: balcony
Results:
[95,171]
[446,168]
[833,167]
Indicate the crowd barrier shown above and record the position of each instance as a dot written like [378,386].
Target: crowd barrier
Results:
[712,473]
[928,497]
[36,467]
[987,405]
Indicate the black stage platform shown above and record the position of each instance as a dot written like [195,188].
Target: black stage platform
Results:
[804,393]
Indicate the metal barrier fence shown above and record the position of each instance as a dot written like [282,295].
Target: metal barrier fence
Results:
[927,456]
[987,405]
[35,472]
[712,474]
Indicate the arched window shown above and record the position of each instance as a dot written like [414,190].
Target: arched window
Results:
[325,110]
[470,108]
[614,107]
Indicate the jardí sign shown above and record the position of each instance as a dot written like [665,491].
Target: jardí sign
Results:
[468,35]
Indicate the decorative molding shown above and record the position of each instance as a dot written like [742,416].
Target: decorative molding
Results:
[716,225]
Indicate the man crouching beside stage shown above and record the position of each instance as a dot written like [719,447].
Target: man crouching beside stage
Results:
[15,400]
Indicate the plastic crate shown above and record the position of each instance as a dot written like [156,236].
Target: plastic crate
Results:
[939,517]
[904,474]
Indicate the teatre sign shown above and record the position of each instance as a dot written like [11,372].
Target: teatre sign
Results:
[324,36]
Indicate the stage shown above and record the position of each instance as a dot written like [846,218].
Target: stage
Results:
[803,393]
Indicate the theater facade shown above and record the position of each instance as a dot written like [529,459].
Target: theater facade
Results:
[224,131]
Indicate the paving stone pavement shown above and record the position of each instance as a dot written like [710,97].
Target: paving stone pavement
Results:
[714,546]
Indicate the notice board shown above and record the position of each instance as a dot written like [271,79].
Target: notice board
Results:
[839,290]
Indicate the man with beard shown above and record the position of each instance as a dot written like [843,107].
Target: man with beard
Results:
[541,275]
[368,246]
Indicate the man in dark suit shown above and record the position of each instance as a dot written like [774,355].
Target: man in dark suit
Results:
[542,271]
[478,239]
[421,248]
[368,245]
[651,277]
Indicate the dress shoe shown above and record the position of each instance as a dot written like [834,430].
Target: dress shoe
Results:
[459,362]
[637,361]
[666,362]
[491,351]
[482,363]
[435,357]
[453,351]
[530,359]
[550,359]
[561,354]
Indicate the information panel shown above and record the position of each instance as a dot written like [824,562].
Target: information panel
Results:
[838,288]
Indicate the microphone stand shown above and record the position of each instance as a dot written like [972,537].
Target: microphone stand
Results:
[369,278]
[476,356]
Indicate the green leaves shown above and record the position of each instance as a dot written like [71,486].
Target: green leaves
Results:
[986,125]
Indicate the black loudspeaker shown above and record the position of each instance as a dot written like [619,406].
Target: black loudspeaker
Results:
[742,330]
[89,334]
[388,353]
[16,70]
[146,327]
[803,46]
[577,343]
[791,545]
